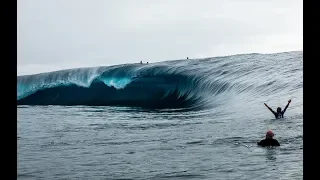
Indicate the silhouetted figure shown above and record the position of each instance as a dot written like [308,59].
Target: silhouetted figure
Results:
[269,141]
[279,113]
[187,57]
[147,62]
[140,62]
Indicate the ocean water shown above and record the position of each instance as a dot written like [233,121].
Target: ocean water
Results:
[183,119]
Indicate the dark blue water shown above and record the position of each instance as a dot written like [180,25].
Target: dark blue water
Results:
[188,119]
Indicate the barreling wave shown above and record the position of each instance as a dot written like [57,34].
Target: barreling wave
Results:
[196,83]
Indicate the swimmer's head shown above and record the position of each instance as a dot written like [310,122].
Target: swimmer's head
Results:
[279,109]
[269,134]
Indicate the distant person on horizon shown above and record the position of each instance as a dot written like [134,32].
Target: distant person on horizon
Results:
[187,57]
[269,141]
[279,113]
[147,62]
[140,62]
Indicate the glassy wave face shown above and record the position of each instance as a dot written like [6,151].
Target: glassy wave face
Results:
[179,84]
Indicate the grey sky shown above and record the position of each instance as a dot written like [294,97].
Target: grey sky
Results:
[60,34]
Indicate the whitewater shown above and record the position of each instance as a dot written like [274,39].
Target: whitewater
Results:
[179,119]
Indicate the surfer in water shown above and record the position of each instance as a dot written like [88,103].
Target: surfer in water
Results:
[279,113]
[269,141]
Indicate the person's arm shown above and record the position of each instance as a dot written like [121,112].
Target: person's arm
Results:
[260,143]
[269,108]
[286,106]
[277,143]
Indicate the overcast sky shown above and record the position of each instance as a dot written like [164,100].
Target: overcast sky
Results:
[60,34]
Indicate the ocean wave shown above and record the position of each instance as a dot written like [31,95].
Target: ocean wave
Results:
[194,83]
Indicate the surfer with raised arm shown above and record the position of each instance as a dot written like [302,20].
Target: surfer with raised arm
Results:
[269,141]
[279,113]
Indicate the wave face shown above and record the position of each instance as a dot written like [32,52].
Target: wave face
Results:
[180,84]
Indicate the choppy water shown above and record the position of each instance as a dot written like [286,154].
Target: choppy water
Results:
[215,141]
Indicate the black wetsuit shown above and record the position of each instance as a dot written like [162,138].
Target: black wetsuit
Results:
[268,142]
[278,115]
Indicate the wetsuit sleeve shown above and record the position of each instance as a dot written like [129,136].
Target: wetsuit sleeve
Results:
[277,143]
[285,108]
[260,143]
[272,111]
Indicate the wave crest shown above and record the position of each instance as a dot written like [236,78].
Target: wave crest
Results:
[173,84]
